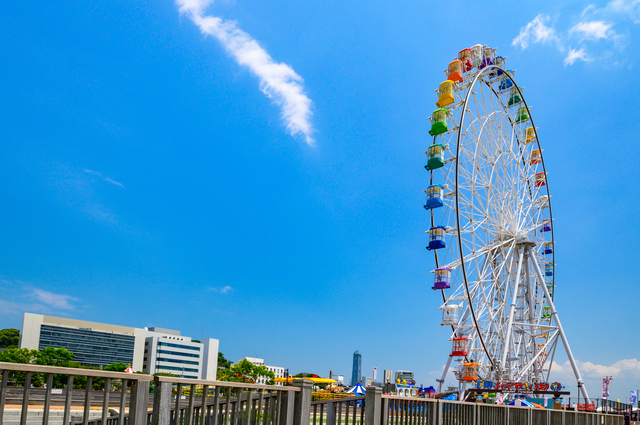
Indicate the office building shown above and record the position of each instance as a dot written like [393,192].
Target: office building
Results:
[278,371]
[95,344]
[99,344]
[356,372]
[167,351]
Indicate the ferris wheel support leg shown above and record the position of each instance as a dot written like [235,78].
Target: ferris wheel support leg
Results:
[512,309]
[446,369]
[532,319]
[462,389]
[556,319]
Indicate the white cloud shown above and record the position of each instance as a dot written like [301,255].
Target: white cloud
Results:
[630,8]
[103,177]
[277,80]
[54,300]
[619,369]
[574,55]
[593,30]
[535,32]
[222,290]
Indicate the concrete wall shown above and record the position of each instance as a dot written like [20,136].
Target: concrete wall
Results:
[30,334]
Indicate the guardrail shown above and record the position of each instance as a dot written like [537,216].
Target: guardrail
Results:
[348,410]
[159,401]
[232,403]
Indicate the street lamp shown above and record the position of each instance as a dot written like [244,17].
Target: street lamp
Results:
[579,388]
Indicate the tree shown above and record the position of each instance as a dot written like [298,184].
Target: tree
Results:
[115,367]
[305,375]
[222,362]
[98,383]
[60,357]
[245,371]
[9,338]
[21,355]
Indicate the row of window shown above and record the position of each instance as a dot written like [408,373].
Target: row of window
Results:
[177,353]
[182,369]
[186,347]
[90,347]
[164,359]
[57,331]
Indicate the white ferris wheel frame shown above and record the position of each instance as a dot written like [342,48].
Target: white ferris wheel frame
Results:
[504,346]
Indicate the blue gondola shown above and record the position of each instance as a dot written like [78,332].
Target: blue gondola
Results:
[436,238]
[434,197]
[505,84]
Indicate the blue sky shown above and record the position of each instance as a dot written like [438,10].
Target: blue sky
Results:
[253,171]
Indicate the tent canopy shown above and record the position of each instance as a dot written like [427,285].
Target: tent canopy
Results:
[357,389]
[520,402]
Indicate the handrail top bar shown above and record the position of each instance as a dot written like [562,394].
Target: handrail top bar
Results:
[25,367]
[242,385]
[398,397]
[338,400]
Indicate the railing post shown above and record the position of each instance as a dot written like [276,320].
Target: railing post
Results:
[138,402]
[373,406]
[331,413]
[475,413]
[385,411]
[437,419]
[302,408]
[286,408]
[161,403]
[3,391]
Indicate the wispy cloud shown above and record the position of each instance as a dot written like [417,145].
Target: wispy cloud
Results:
[629,8]
[593,30]
[535,31]
[620,368]
[222,290]
[103,177]
[277,80]
[596,24]
[77,188]
[19,297]
[55,300]
[574,55]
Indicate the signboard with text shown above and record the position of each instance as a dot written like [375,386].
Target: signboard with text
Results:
[518,386]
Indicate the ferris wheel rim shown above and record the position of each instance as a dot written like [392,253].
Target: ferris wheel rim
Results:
[461,249]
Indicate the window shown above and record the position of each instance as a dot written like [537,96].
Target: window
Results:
[177,353]
[164,359]
[186,347]
[182,369]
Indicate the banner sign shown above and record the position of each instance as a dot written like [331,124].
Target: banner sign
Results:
[605,388]
[518,386]
[632,397]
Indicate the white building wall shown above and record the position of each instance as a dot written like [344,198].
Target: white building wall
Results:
[210,359]
[185,358]
[30,335]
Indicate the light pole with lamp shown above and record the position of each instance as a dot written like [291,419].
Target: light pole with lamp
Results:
[579,388]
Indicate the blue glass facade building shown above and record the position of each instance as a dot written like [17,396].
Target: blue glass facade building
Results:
[356,372]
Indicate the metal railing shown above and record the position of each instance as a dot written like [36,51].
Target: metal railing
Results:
[160,401]
[347,411]
[152,400]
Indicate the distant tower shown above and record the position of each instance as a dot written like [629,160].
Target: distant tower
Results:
[357,368]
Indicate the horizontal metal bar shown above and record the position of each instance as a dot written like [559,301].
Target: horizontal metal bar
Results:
[20,367]
[188,381]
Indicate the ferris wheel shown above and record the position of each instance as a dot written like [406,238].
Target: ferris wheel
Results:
[491,228]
